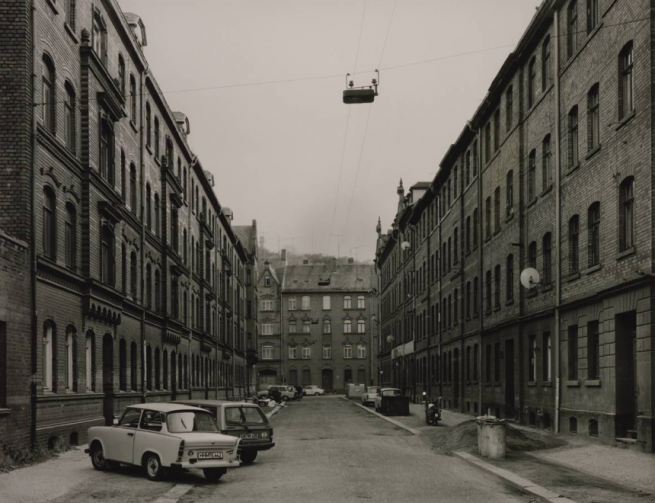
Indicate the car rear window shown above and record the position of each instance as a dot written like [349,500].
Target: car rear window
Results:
[391,392]
[237,416]
[188,421]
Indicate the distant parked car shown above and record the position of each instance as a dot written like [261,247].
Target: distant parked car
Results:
[286,392]
[312,390]
[368,397]
[161,436]
[385,392]
[242,420]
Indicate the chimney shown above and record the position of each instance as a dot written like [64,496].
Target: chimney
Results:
[283,256]
[401,196]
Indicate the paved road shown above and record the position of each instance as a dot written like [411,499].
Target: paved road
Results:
[327,451]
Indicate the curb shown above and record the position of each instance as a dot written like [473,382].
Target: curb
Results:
[524,485]
[388,419]
[277,407]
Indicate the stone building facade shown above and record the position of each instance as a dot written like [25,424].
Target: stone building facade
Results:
[554,172]
[122,278]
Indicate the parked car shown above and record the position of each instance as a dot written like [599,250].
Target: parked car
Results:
[313,390]
[242,420]
[369,395]
[161,436]
[286,392]
[263,393]
[385,392]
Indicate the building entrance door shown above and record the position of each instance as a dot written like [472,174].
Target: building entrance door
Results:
[627,391]
[108,378]
[509,379]
[327,381]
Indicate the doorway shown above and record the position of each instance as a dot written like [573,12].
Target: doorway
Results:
[510,410]
[108,378]
[327,382]
[627,391]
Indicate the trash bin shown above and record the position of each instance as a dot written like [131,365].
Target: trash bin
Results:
[491,437]
[395,405]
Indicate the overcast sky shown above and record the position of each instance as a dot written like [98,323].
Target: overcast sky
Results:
[276,149]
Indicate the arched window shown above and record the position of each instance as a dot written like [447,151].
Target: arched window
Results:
[156,138]
[149,368]
[327,326]
[156,214]
[592,15]
[468,300]
[71,236]
[496,210]
[48,93]
[532,82]
[107,151]
[347,326]
[90,361]
[175,303]
[468,235]
[184,246]
[361,327]
[157,369]
[574,244]
[509,108]
[134,361]
[509,286]
[548,260]
[361,302]
[165,372]
[49,223]
[121,74]
[184,183]
[545,64]
[532,176]
[572,24]
[148,125]
[626,81]
[573,137]
[593,118]
[124,269]
[626,213]
[593,231]
[133,275]
[497,286]
[149,286]
[122,365]
[185,301]
[545,162]
[148,207]
[175,231]
[99,38]
[71,360]
[69,117]
[133,189]
[107,255]
[133,98]
[532,255]
[488,291]
[157,291]
[510,192]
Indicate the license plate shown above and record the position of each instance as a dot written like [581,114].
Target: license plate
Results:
[249,435]
[210,455]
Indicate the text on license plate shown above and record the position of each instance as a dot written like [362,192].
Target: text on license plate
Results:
[249,435]
[210,455]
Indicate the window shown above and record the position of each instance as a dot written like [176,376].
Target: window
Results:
[69,117]
[347,351]
[306,326]
[293,353]
[545,64]
[175,228]
[327,327]
[468,234]
[593,118]
[158,292]
[123,177]
[361,327]
[175,296]
[106,151]
[156,138]
[267,305]
[326,303]
[361,302]
[133,275]
[455,249]
[532,359]
[306,353]
[497,210]
[305,303]
[70,13]
[509,109]
[455,307]
[509,286]
[626,213]
[149,286]
[293,327]
[157,219]
[488,291]
[574,245]
[468,300]
[548,260]
[468,167]
[148,125]
[496,130]
[593,221]
[347,302]
[107,255]
[547,356]
[573,353]
[488,215]
[133,99]
[476,291]
[572,23]
[497,286]
[487,375]
[71,236]
[592,15]
[148,207]
[475,228]
[133,366]
[532,254]
[327,352]
[49,357]
[497,362]
[48,94]
[510,192]
[546,171]
[122,365]
[90,361]
[593,353]
[133,189]
[267,329]
[361,351]
[99,38]
[487,142]
[573,137]
[347,326]
[626,82]
[267,352]
[532,82]
[532,176]
[70,359]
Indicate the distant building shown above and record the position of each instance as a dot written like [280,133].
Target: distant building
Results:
[269,343]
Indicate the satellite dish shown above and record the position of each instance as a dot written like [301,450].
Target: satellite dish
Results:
[404,245]
[530,278]
[389,338]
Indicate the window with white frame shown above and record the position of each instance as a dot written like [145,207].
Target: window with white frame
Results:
[306,326]
[267,305]
[361,327]
[305,303]
[347,326]
[347,302]
[327,352]
[267,280]
[361,351]
[347,351]
[267,329]
[326,303]
[327,327]
[292,304]
[293,352]
[293,327]
[267,352]
[306,353]
[361,302]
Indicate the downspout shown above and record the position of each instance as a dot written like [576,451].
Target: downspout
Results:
[480,262]
[558,280]
[143,239]
[34,351]
[426,328]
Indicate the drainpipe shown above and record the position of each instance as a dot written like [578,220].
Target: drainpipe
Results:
[143,237]
[35,338]
[558,280]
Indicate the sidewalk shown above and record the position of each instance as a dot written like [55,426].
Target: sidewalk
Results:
[581,471]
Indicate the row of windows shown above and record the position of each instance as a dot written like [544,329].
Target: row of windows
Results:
[267,305]
[327,326]
[307,376]
[305,352]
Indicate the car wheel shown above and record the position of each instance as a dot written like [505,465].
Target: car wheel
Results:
[98,458]
[214,474]
[316,394]
[153,466]
[248,457]
[285,398]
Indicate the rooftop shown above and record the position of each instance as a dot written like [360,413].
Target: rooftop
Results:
[321,277]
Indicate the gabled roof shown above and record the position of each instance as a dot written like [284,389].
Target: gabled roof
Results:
[343,277]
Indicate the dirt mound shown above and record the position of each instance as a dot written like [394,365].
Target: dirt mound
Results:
[464,437]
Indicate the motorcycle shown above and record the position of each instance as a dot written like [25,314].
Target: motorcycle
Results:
[432,410]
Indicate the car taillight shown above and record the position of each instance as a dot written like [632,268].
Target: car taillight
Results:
[180,451]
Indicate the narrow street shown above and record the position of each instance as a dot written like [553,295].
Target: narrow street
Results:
[327,450]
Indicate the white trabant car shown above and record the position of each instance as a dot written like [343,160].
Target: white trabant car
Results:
[313,390]
[369,395]
[161,436]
